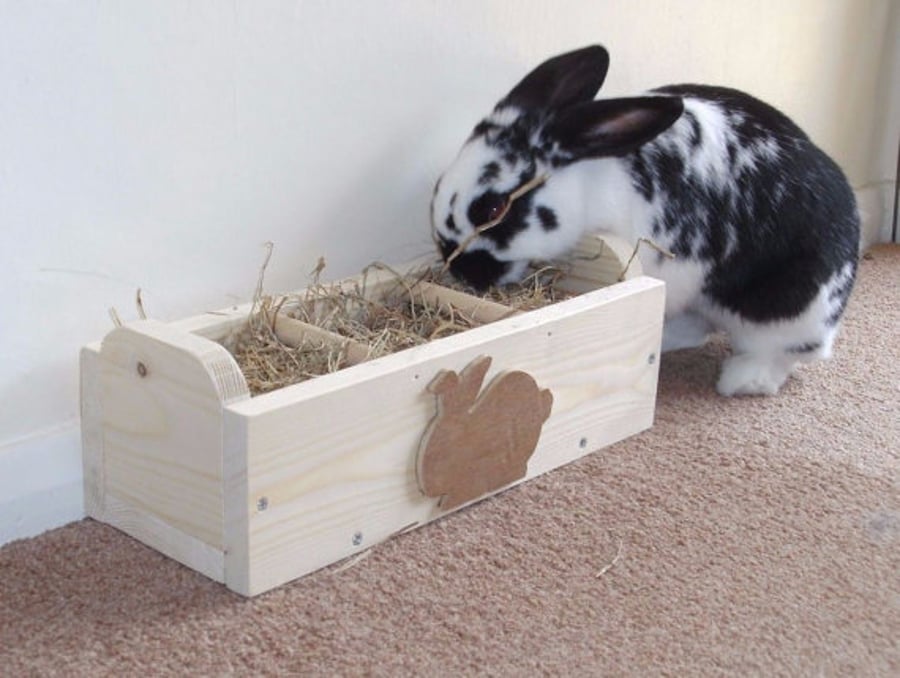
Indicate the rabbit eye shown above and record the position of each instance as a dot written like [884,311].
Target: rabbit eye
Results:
[495,211]
[487,208]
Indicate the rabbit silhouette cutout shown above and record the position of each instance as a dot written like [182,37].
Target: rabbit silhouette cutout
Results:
[478,444]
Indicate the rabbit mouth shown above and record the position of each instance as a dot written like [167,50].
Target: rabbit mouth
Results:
[480,269]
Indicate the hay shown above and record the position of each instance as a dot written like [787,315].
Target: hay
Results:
[537,290]
[386,316]
[394,316]
[269,364]
[644,241]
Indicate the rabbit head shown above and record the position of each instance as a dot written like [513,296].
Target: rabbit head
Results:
[544,126]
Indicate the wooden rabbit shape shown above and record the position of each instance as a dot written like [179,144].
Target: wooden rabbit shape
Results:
[478,444]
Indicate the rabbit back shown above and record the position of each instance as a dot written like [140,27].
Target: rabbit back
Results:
[741,191]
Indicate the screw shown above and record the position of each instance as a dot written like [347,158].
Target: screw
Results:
[357,538]
[582,443]
[651,359]
[262,504]
[142,369]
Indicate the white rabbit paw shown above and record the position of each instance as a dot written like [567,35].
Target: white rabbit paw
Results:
[749,374]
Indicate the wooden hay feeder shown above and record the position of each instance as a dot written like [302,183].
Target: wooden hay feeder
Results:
[257,491]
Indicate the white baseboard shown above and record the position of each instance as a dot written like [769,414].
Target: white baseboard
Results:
[876,206]
[40,482]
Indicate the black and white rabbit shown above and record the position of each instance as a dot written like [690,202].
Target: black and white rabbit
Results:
[763,224]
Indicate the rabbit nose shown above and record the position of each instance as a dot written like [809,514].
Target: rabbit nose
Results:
[479,269]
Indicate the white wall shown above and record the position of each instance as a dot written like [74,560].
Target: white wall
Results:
[159,144]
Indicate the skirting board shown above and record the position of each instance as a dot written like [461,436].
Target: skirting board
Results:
[876,205]
[41,484]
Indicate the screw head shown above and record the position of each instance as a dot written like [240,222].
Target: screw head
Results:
[651,359]
[262,503]
[142,369]
[357,538]
[582,443]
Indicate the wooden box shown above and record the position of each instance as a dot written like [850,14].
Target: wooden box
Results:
[257,491]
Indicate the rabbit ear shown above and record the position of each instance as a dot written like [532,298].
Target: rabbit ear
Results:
[444,382]
[561,81]
[471,379]
[611,126]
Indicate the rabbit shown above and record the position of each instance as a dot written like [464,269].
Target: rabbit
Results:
[763,224]
[480,443]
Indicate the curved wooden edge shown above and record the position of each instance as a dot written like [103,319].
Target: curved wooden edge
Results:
[599,260]
[150,346]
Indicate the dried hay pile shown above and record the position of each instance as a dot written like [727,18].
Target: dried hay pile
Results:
[269,364]
[386,317]
[389,318]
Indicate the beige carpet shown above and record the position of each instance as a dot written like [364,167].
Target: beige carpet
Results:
[737,537]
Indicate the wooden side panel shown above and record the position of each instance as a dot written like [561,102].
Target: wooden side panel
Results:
[152,400]
[331,463]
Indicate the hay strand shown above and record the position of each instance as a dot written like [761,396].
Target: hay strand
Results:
[268,363]
[114,316]
[139,302]
[644,241]
[611,564]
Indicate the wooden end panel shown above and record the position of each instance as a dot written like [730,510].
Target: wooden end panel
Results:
[154,398]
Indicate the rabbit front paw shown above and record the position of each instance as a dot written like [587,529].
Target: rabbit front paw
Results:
[749,374]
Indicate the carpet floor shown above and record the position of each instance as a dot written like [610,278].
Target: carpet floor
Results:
[737,537]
